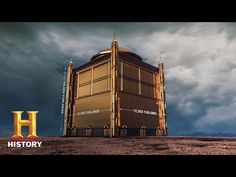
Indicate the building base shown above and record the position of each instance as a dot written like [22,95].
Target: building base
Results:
[104,132]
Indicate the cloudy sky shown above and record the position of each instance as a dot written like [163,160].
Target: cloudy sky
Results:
[199,58]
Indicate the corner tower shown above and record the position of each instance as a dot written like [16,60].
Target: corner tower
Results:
[161,101]
[114,115]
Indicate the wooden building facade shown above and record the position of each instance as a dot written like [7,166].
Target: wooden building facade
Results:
[115,94]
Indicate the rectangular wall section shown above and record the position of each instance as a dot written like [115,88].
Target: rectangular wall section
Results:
[136,80]
[130,86]
[131,71]
[84,90]
[94,80]
[85,77]
[146,77]
[137,111]
[147,90]
[101,70]
[101,86]
[92,111]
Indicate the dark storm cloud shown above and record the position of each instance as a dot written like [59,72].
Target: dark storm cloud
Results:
[125,29]
[31,76]
[199,61]
[16,30]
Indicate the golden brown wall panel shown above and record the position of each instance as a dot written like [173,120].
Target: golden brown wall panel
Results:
[130,71]
[146,77]
[130,86]
[137,111]
[84,90]
[93,111]
[85,77]
[98,120]
[100,71]
[147,90]
[100,86]
[132,120]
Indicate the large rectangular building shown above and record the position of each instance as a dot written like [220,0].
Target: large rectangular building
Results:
[115,94]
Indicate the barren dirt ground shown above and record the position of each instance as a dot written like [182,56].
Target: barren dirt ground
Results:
[127,146]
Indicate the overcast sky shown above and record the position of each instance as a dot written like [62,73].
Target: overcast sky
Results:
[199,59]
